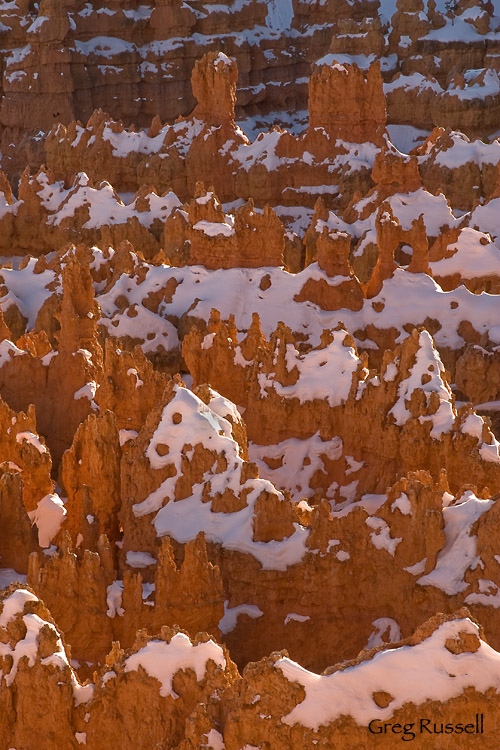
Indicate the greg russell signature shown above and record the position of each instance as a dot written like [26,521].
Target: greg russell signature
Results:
[409,732]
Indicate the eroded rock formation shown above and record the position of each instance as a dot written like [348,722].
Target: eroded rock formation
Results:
[249,377]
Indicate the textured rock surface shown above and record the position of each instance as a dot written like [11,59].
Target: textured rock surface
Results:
[178,691]
[249,374]
[136,61]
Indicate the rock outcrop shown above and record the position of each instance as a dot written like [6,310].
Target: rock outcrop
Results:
[249,374]
[202,234]
[197,693]
[208,146]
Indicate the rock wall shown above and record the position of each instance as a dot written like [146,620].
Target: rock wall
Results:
[249,376]
[187,693]
[136,61]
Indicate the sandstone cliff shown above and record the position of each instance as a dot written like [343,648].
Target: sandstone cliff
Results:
[249,374]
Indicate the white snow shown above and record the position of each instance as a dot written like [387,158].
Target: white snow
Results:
[388,8]
[156,332]
[184,519]
[490,452]
[221,58]
[298,460]
[14,605]
[459,553]
[342,555]
[215,741]
[31,439]
[428,363]
[473,425]
[7,351]
[87,391]
[8,576]
[488,406]
[418,568]
[457,29]
[381,535]
[142,13]
[103,46]
[473,255]
[261,151]
[488,595]
[463,151]
[295,121]
[384,626]
[354,466]
[408,299]
[224,408]
[486,218]
[114,593]
[213,229]
[48,516]
[279,14]
[357,156]
[37,24]
[339,61]
[103,203]
[403,504]
[230,619]
[323,373]
[406,137]
[435,210]
[126,435]
[139,559]
[413,81]
[369,502]
[162,660]
[436,674]
[27,290]
[27,647]
[292,616]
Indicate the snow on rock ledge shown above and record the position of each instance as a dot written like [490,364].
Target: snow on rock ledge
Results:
[426,375]
[437,673]
[22,610]
[162,660]
[209,488]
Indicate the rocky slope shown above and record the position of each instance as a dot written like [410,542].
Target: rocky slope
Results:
[249,379]
[61,61]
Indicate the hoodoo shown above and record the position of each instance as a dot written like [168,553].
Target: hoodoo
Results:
[249,374]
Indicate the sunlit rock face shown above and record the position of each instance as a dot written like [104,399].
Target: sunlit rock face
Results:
[249,374]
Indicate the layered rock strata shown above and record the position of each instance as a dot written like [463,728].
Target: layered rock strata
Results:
[249,377]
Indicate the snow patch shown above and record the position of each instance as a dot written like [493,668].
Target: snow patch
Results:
[162,660]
